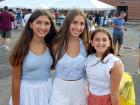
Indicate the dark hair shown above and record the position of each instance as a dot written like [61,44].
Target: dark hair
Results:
[5,8]
[21,48]
[63,33]
[122,12]
[92,50]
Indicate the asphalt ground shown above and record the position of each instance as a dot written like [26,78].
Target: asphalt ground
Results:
[129,58]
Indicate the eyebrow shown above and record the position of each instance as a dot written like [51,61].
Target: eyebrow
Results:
[78,21]
[44,21]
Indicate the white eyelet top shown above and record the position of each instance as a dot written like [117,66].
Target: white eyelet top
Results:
[98,73]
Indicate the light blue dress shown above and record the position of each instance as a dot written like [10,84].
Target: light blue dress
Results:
[36,84]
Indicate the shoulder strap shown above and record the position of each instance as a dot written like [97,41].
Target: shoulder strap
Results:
[85,45]
[16,79]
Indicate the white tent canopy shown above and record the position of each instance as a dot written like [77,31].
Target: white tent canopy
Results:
[34,4]
[57,4]
[83,4]
[29,4]
[9,3]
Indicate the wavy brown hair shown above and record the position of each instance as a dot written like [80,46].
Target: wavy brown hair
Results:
[21,47]
[63,34]
[92,50]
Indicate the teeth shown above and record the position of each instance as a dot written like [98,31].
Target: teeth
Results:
[42,32]
[78,33]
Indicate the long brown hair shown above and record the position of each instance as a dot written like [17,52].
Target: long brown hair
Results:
[63,33]
[21,47]
[92,50]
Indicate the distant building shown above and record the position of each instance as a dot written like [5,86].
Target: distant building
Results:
[130,6]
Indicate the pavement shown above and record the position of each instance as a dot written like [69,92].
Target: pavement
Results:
[129,58]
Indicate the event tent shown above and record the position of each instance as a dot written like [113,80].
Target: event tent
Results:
[83,4]
[29,4]
[9,3]
[57,4]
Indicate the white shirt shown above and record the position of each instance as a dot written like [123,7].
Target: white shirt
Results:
[98,73]
[26,17]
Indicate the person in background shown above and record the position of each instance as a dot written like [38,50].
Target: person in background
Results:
[60,19]
[119,27]
[27,16]
[13,14]
[31,60]
[19,14]
[69,86]
[6,19]
[104,70]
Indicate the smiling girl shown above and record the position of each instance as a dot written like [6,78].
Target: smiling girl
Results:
[31,60]
[69,83]
[104,70]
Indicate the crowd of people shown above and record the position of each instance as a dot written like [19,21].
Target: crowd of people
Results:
[10,19]
[87,69]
